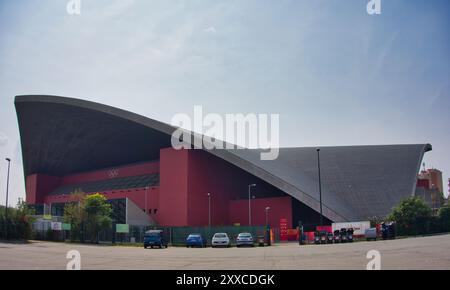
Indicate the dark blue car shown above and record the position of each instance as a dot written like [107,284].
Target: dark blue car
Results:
[155,238]
[195,240]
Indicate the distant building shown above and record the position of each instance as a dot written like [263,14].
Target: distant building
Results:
[434,177]
[430,187]
[448,193]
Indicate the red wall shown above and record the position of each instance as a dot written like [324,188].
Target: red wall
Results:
[173,187]
[38,186]
[31,189]
[209,175]
[137,195]
[186,177]
[280,207]
[425,183]
[225,182]
[120,171]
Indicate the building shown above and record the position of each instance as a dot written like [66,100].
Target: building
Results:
[71,144]
[448,193]
[430,187]
[434,177]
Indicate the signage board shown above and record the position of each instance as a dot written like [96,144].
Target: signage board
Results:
[56,226]
[283,229]
[122,228]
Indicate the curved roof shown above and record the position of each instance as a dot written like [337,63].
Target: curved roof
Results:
[357,181]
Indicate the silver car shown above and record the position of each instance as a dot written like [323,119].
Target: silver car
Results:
[220,240]
[371,234]
[244,239]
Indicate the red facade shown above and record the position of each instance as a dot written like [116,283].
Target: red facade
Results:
[181,198]
[425,183]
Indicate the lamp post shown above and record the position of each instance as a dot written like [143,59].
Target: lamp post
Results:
[209,209]
[250,204]
[320,187]
[7,190]
[146,205]
[267,215]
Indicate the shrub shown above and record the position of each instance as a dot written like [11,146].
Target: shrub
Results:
[17,225]
[412,217]
[444,218]
[89,214]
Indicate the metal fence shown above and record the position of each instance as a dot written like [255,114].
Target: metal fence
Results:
[178,235]
[175,235]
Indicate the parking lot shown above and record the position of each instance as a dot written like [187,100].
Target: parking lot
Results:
[412,253]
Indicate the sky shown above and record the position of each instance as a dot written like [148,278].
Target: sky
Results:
[335,74]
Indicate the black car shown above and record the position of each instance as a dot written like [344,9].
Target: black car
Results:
[388,231]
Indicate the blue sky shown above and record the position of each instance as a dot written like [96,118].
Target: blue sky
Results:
[336,75]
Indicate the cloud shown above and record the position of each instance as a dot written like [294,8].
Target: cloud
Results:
[210,30]
[118,7]
[3,139]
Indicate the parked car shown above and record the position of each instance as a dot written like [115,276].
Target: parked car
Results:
[155,238]
[371,234]
[220,240]
[195,240]
[244,239]
[388,231]
[261,240]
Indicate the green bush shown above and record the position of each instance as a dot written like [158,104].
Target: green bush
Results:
[49,235]
[412,217]
[435,225]
[17,225]
[98,215]
[89,213]
[444,218]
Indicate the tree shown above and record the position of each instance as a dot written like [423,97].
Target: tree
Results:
[24,216]
[74,213]
[18,224]
[98,214]
[375,220]
[412,216]
[444,218]
[91,212]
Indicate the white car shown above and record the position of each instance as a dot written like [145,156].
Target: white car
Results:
[220,240]
[244,239]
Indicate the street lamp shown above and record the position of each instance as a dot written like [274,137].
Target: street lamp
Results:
[209,209]
[146,206]
[7,189]
[320,187]
[249,204]
[267,215]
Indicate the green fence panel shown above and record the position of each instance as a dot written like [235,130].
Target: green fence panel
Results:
[178,235]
